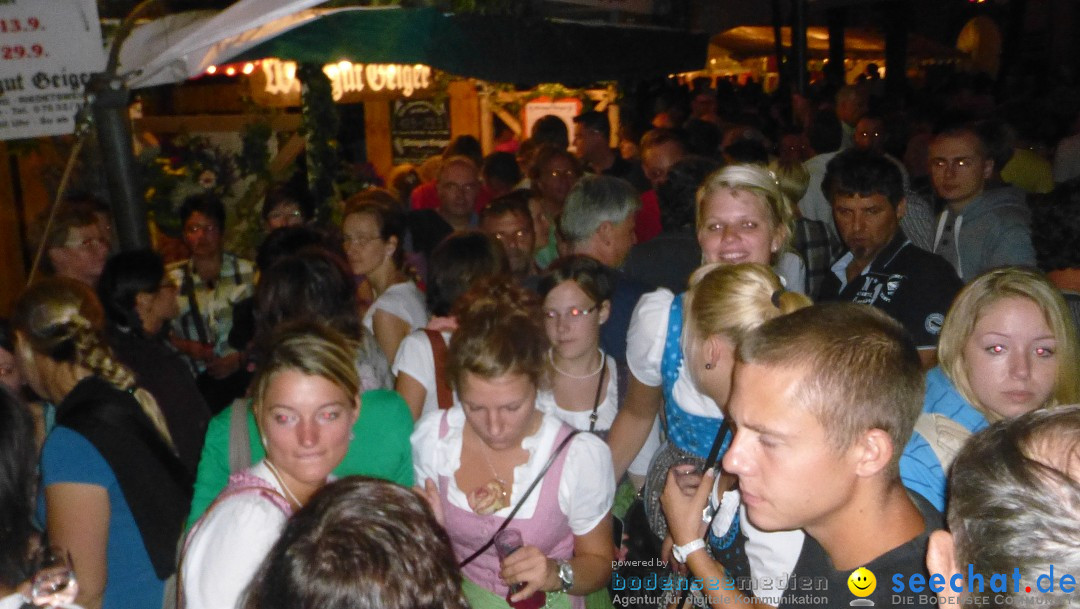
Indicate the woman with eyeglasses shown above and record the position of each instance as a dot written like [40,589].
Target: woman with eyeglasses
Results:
[585,381]
[374,236]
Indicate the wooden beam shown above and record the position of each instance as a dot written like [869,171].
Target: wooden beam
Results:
[380,152]
[198,123]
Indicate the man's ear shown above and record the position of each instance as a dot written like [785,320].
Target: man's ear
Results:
[604,232]
[58,257]
[143,301]
[941,559]
[875,451]
[988,168]
[901,208]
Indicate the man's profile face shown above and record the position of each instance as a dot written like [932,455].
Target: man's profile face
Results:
[588,141]
[623,239]
[790,476]
[657,160]
[516,234]
[957,168]
[866,224]
[83,254]
[458,185]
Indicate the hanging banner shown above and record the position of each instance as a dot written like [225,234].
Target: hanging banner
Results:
[48,50]
[419,129]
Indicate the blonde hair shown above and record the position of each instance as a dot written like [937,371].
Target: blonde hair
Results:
[732,300]
[793,178]
[63,320]
[985,290]
[759,182]
[312,349]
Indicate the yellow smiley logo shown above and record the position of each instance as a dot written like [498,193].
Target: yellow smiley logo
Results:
[862,582]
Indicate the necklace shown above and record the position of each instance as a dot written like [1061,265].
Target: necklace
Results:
[503,484]
[551,359]
[277,476]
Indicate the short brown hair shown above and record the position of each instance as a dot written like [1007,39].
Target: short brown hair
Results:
[861,370]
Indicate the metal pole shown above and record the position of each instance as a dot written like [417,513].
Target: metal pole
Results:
[837,18]
[798,45]
[778,44]
[108,98]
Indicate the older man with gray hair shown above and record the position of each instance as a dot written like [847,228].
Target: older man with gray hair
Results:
[598,221]
[1014,516]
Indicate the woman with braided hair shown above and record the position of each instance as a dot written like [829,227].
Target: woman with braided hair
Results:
[114,493]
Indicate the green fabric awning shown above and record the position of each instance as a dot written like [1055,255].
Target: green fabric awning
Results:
[494,48]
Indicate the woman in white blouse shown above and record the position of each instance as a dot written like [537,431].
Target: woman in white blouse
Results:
[584,389]
[306,402]
[475,461]
[742,216]
[374,239]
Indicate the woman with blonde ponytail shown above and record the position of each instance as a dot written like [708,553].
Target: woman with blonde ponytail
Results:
[114,492]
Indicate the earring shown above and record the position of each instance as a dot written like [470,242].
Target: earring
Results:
[708,366]
[352,435]
[264,442]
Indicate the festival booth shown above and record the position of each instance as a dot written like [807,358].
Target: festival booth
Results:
[216,100]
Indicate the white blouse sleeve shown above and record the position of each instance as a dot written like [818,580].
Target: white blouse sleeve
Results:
[226,550]
[645,339]
[425,442]
[587,487]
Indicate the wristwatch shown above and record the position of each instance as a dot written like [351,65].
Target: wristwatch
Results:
[566,575]
[682,552]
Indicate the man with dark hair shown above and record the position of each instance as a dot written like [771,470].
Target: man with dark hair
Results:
[881,267]
[550,129]
[1014,516]
[981,227]
[823,400]
[592,142]
[507,218]
[823,134]
[501,173]
[211,283]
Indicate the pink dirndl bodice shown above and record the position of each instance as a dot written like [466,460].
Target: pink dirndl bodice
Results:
[548,528]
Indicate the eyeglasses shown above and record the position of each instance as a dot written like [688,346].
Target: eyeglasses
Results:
[88,243]
[285,215]
[194,229]
[359,239]
[562,173]
[960,163]
[572,314]
[454,187]
[515,236]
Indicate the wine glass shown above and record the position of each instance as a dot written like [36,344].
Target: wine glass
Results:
[53,583]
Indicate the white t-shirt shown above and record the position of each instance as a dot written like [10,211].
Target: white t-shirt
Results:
[586,489]
[402,300]
[414,357]
[645,351]
[606,411]
[791,270]
[228,545]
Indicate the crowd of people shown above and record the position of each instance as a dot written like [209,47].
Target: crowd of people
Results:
[764,364]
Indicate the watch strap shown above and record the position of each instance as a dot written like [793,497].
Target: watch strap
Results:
[681,553]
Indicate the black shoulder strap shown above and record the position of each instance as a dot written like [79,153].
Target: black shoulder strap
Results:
[528,491]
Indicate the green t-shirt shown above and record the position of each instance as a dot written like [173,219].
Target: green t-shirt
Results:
[380,447]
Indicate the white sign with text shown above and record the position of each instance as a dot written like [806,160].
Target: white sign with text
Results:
[48,50]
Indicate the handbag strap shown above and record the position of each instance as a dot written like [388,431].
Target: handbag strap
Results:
[536,482]
[443,390]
